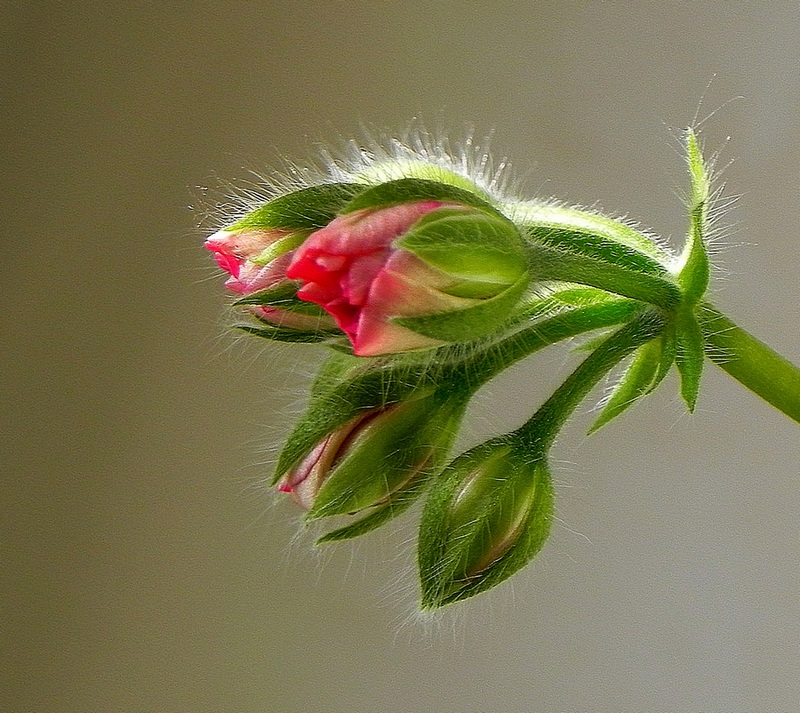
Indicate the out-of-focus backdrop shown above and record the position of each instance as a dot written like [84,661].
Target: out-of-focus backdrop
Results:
[144,565]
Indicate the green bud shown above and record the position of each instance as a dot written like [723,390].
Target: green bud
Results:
[376,461]
[487,515]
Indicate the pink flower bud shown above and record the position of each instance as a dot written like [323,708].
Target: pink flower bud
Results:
[353,270]
[256,258]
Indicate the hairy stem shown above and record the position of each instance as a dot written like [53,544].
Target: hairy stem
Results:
[539,432]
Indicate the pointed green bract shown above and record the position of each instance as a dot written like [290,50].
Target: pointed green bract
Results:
[693,275]
[689,355]
[635,383]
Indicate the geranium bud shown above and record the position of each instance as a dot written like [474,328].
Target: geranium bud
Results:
[374,456]
[414,274]
[487,515]
[255,258]
[256,251]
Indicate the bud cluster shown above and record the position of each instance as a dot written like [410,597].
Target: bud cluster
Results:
[426,285]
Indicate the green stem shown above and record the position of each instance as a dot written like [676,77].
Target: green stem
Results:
[547,263]
[538,434]
[751,362]
[488,363]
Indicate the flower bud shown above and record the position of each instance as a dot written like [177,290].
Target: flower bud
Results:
[257,249]
[413,274]
[255,258]
[374,457]
[487,515]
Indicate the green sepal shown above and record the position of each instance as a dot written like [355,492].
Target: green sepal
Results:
[693,275]
[305,209]
[336,370]
[639,379]
[399,169]
[377,517]
[377,385]
[598,248]
[486,516]
[470,246]
[279,334]
[280,247]
[282,296]
[470,323]
[574,296]
[689,355]
[407,190]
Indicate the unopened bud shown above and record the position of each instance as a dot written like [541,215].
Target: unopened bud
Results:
[487,515]
[413,272]
[374,456]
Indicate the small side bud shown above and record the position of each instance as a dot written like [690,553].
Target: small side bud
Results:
[487,515]
[375,457]
[257,249]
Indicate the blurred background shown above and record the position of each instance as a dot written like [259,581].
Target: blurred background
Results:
[145,566]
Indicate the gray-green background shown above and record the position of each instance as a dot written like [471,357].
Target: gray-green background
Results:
[145,567]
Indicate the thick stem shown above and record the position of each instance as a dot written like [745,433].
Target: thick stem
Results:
[751,362]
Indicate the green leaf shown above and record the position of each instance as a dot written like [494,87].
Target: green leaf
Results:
[689,355]
[304,209]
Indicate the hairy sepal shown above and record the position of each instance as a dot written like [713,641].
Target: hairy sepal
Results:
[305,209]
[470,323]
[409,190]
